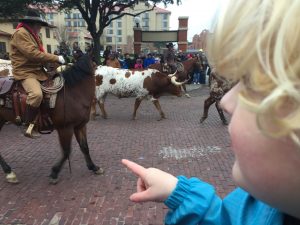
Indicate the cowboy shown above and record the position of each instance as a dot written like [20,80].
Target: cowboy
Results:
[169,57]
[28,56]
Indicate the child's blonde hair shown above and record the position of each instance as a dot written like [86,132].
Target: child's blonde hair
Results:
[258,42]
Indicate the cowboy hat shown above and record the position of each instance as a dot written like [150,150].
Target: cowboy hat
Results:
[33,16]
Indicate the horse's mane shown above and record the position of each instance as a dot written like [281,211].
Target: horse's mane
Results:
[82,69]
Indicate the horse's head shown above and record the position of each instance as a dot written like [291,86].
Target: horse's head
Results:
[84,67]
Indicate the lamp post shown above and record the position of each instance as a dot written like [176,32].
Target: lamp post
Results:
[137,35]
[116,42]
[137,21]
[78,33]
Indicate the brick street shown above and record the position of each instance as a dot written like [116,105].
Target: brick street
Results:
[178,144]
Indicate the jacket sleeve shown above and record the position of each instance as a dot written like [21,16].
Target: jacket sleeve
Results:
[195,202]
[26,46]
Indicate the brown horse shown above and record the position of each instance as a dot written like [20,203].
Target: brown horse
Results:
[218,88]
[183,76]
[70,115]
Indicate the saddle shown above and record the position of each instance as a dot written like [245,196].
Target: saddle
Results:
[172,68]
[13,96]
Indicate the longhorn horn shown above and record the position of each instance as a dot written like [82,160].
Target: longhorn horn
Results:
[172,74]
[173,81]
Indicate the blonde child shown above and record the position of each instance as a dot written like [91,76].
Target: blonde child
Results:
[257,44]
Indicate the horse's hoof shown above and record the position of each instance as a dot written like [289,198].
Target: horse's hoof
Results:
[104,117]
[161,118]
[202,120]
[100,171]
[53,181]
[12,178]
[187,95]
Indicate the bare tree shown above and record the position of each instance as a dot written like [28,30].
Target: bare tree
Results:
[105,11]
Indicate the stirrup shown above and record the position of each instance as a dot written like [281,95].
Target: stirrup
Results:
[30,132]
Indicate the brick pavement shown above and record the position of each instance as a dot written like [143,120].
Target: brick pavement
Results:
[178,144]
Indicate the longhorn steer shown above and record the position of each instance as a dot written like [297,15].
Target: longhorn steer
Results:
[5,68]
[133,83]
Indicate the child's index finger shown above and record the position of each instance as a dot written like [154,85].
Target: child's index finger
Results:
[134,167]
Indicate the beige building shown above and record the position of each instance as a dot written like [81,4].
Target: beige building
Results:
[71,28]
[8,28]
[119,34]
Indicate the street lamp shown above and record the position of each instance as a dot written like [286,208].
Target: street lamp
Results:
[137,21]
[116,38]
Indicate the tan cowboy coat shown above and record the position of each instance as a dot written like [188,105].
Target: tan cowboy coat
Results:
[26,58]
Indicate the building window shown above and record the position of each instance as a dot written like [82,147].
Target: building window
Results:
[146,23]
[119,39]
[165,25]
[109,39]
[68,23]
[47,33]
[2,47]
[119,24]
[67,16]
[110,31]
[119,32]
[49,48]
[50,16]
[165,16]
[82,23]
[146,15]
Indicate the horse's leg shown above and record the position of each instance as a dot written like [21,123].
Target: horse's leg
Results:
[185,91]
[221,114]
[65,139]
[93,109]
[136,106]
[207,103]
[80,134]
[10,175]
[101,106]
[158,107]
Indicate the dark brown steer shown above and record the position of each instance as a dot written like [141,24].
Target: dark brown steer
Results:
[218,88]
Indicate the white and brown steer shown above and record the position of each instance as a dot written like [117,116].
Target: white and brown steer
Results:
[133,83]
[5,68]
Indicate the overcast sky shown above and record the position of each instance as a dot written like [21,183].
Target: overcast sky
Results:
[200,13]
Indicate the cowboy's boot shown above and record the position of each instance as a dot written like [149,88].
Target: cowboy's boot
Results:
[30,117]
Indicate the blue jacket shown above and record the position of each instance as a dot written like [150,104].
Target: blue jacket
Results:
[195,202]
[148,62]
